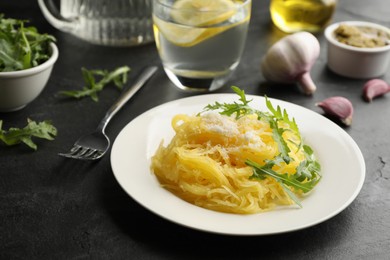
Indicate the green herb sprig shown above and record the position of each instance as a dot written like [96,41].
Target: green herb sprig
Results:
[13,136]
[21,47]
[96,80]
[307,172]
[305,179]
[229,109]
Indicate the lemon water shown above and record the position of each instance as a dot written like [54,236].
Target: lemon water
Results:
[201,57]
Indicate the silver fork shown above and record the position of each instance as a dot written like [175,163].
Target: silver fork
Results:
[94,145]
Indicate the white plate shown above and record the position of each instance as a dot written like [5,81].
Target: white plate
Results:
[343,170]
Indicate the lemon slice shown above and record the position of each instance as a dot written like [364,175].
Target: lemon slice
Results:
[193,21]
[185,36]
[179,35]
[202,12]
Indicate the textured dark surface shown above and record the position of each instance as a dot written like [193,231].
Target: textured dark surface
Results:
[55,208]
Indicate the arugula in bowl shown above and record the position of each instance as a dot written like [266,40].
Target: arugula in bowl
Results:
[21,47]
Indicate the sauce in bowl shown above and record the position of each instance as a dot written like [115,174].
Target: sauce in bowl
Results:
[361,36]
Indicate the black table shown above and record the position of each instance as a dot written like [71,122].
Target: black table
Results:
[51,207]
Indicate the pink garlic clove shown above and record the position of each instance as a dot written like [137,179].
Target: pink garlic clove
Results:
[374,88]
[339,107]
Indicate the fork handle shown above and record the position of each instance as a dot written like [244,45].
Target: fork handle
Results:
[129,93]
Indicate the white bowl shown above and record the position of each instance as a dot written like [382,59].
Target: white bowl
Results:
[355,62]
[19,88]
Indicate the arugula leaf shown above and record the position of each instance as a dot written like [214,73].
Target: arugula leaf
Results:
[310,167]
[13,136]
[277,134]
[235,108]
[292,180]
[283,116]
[21,47]
[307,173]
[93,86]
[290,194]
[305,179]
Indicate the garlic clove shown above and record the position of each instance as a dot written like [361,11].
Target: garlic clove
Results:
[338,107]
[374,88]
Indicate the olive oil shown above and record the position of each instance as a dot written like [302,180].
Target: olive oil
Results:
[301,15]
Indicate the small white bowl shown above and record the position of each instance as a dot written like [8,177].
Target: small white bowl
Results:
[355,62]
[19,88]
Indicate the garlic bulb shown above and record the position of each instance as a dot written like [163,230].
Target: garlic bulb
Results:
[290,60]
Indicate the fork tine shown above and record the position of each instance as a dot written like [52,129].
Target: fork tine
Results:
[75,152]
[72,152]
[90,153]
[97,155]
[68,155]
[84,153]
[74,149]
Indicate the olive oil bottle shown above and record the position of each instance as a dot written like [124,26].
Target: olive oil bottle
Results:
[302,15]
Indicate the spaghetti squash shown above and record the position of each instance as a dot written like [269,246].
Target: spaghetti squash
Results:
[232,158]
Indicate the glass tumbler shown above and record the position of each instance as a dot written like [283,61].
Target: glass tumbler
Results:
[200,42]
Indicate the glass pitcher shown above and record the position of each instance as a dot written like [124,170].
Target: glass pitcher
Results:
[103,22]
